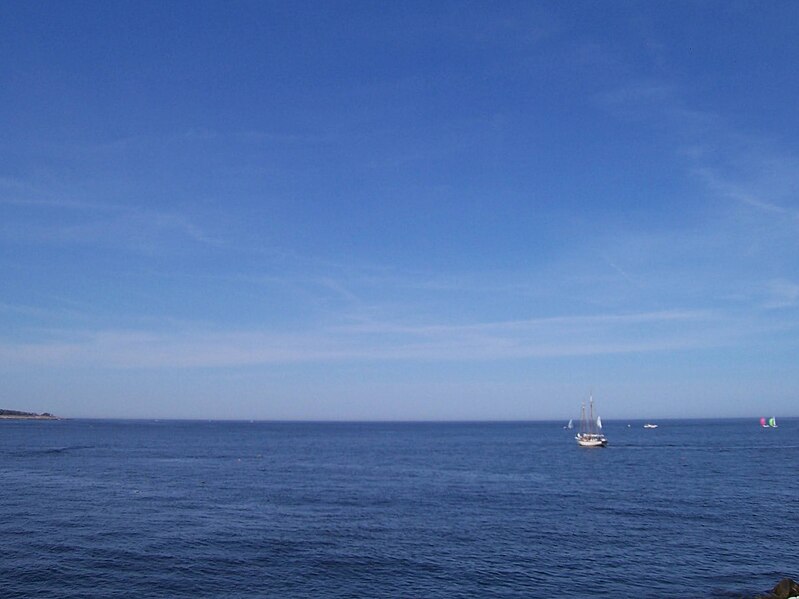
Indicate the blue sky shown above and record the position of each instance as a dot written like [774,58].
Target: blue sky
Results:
[411,210]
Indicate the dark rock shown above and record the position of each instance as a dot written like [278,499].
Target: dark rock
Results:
[785,589]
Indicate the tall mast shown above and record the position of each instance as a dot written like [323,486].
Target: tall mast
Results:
[591,420]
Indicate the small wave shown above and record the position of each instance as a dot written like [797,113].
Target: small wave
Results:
[52,450]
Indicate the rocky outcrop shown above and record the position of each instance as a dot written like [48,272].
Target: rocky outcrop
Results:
[785,589]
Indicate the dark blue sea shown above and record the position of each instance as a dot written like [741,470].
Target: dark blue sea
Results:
[172,509]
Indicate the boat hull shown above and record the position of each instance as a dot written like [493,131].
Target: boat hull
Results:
[591,441]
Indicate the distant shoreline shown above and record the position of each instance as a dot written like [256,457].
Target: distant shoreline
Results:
[18,415]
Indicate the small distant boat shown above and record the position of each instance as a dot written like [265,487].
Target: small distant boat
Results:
[770,423]
[570,425]
[590,434]
[648,425]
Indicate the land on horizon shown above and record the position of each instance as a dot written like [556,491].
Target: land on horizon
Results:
[17,415]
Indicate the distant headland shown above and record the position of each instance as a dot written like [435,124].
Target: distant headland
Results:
[16,414]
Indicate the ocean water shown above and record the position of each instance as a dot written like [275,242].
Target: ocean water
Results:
[101,509]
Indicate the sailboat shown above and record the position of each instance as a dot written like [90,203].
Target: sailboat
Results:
[770,423]
[590,434]
[570,425]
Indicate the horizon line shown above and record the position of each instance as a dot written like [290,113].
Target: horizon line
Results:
[390,421]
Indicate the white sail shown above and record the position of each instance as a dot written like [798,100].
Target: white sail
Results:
[598,422]
[570,425]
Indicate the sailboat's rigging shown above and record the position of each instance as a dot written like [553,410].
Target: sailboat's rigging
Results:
[590,434]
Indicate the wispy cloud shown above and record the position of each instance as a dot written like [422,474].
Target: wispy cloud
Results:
[30,311]
[89,222]
[566,336]
[781,294]
[741,246]
[619,270]
[60,203]
[759,193]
